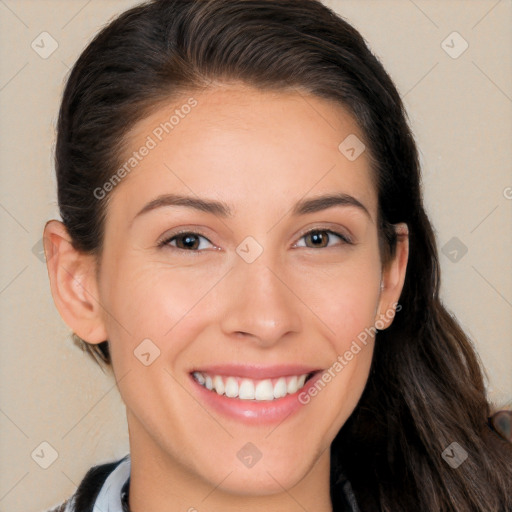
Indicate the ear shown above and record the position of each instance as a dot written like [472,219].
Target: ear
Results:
[73,284]
[393,278]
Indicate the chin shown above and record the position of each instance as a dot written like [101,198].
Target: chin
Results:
[266,477]
[259,483]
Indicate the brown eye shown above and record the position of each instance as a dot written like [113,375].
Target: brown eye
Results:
[186,241]
[320,238]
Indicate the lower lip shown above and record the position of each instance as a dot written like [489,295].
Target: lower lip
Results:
[255,412]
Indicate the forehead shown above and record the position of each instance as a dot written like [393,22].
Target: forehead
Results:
[247,147]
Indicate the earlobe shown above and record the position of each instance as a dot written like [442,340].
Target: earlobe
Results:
[73,284]
[393,278]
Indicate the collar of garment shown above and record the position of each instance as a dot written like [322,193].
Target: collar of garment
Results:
[113,494]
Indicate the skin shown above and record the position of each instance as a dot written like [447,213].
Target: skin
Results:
[259,152]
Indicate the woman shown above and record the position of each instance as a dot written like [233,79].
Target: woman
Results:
[243,239]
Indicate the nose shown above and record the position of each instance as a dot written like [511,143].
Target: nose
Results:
[261,304]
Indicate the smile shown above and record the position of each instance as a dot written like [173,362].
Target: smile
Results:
[252,389]
[253,394]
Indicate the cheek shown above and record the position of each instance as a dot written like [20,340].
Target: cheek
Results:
[149,300]
[344,297]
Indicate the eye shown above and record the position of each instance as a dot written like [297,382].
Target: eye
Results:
[320,237]
[185,240]
[191,241]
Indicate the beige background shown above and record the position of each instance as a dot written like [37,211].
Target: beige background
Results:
[461,113]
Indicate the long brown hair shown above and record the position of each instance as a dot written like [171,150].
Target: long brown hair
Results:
[425,390]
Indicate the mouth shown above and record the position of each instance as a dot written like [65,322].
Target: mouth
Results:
[252,389]
[254,395]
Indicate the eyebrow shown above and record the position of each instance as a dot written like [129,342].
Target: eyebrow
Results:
[302,207]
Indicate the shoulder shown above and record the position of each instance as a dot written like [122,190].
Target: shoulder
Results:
[85,495]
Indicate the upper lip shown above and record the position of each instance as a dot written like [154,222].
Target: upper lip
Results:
[250,371]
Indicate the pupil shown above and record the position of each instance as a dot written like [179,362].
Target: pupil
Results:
[317,237]
[189,241]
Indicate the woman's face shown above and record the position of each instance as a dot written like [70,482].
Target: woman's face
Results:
[260,288]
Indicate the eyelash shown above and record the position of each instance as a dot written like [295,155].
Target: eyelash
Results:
[165,243]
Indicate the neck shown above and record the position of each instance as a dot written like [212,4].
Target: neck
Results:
[160,483]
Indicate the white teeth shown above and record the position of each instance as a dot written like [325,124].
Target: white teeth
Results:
[300,381]
[199,377]
[249,389]
[246,391]
[231,387]
[218,384]
[264,390]
[280,388]
[292,385]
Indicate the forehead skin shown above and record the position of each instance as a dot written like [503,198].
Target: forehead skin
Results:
[257,148]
